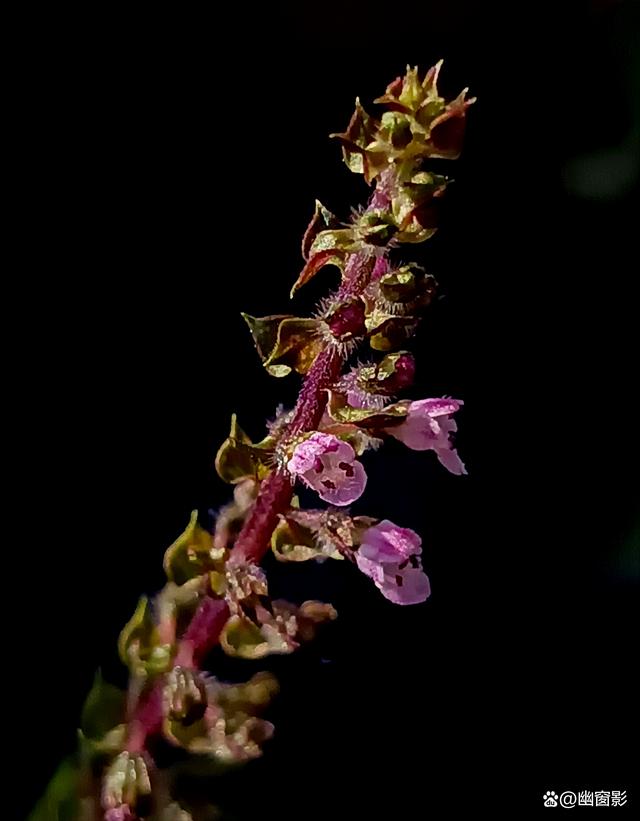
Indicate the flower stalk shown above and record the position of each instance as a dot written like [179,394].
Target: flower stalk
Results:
[216,591]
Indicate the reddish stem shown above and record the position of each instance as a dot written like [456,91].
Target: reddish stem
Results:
[277,489]
[147,719]
[199,638]
[203,632]
[275,494]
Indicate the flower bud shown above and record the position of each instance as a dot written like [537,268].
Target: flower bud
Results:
[347,320]
[395,372]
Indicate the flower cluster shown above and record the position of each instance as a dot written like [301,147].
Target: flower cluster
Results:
[216,593]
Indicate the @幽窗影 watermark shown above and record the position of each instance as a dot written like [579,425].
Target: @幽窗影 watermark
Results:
[585,798]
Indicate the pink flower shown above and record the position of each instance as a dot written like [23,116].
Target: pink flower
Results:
[429,426]
[390,555]
[122,813]
[328,465]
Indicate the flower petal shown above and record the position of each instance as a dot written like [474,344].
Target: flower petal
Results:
[416,432]
[346,492]
[328,465]
[307,453]
[436,407]
[408,587]
[386,543]
[450,459]
[370,568]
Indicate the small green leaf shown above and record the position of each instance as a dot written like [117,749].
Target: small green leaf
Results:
[136,627]
[338,239]
[388,333]
[321,220]
[103,709]
[139,645]
[315,263]
[360,132]
[242,638]
[264,331]
[299,342]
[286,343]
[372,418]
[238,458]
[192,553]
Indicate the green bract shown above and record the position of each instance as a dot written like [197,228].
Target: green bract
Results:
[140,646]
[286,343]
[239,459]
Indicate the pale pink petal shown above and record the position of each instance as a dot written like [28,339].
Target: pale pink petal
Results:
[436,407]
[447,425]
[386,542]
[416,432]
[307,453]
[410,586]
[338,451]
[450,459]
[340,487]
[371,569]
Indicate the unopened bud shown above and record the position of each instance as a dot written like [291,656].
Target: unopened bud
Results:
[395,372]
[347,320]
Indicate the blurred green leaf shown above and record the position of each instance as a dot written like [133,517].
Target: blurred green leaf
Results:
[60,800]
[102,710]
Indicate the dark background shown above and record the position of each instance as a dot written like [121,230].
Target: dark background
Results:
[171,164]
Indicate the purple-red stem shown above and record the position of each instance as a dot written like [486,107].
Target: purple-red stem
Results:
[274,497]
[276,490]
[199,638]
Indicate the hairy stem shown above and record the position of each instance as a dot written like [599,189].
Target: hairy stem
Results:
[276,491]
[274,496]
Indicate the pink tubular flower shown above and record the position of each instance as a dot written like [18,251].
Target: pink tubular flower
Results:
[390,555]
[428,427]
[329,466]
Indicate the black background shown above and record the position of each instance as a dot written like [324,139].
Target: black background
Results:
[171,164]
